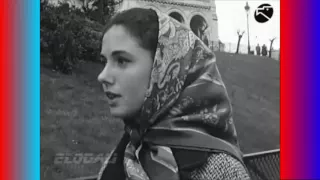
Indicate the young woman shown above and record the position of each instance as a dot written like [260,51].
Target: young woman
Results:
[164,83]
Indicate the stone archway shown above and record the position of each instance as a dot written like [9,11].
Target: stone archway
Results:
[198,25]
[177,16]
[205,10]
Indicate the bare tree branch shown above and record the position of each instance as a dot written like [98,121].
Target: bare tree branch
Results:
[240,34]
[270,49]
[272,39]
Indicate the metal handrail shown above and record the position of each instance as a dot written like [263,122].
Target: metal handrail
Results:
[95,177]
[261,153]
[263,165]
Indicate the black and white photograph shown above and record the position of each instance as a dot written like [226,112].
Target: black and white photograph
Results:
[160,89]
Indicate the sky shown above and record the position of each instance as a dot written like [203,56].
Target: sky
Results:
[232,16]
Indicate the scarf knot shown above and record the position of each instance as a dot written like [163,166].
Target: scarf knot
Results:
[135,136]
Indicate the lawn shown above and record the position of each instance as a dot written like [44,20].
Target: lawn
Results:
[75,119]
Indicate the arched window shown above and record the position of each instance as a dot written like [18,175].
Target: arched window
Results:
[177,16]
[198,25]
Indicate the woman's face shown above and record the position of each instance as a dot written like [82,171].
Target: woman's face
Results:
[125,77]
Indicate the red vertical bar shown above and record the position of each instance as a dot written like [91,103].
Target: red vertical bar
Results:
[6,91]
[285,92]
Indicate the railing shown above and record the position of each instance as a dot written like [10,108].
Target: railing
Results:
[263,165]
[86,178]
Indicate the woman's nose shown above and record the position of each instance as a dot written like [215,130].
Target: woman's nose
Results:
[106,76]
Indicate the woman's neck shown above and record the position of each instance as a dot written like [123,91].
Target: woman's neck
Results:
[131,122]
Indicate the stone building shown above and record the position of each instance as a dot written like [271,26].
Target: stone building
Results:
[199,15]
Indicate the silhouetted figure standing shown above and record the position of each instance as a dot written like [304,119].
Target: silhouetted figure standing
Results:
[264,50]
[258,49]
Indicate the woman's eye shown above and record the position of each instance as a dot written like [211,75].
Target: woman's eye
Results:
[122,60]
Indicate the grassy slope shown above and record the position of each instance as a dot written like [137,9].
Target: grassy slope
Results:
[74,115]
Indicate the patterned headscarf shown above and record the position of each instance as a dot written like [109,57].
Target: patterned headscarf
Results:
[186,107]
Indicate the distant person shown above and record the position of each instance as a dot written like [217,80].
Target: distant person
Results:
[264,50]
[258,49]
[166,87]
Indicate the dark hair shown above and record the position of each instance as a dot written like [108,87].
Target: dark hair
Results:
[141,23]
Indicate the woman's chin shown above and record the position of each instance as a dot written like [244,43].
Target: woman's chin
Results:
[123,114]
[117,115]
[118,112]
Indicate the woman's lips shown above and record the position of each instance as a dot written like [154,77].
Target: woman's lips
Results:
[112,95]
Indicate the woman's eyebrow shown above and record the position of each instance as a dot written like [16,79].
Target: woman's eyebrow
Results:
[119,52]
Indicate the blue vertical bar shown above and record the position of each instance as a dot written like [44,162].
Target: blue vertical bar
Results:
[31,89]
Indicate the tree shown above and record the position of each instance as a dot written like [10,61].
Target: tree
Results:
[270,49]
[239,39]
[85,6]
[105,8]
[43,4]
